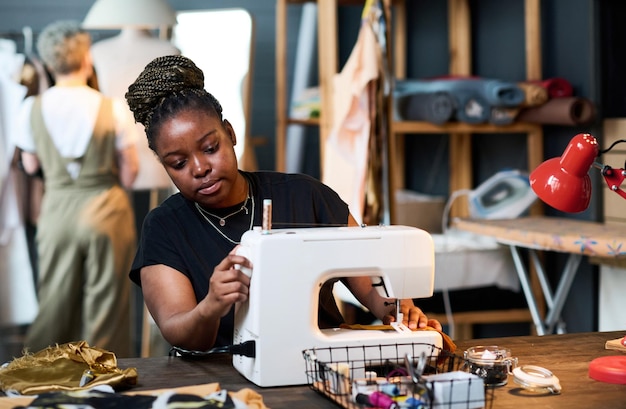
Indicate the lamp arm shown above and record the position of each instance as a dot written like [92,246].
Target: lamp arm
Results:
[614,179]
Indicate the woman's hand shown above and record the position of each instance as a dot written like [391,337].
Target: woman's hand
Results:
[413,317]
[171,300]
[228,284]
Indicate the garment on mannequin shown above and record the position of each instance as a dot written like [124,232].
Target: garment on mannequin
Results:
[118,61]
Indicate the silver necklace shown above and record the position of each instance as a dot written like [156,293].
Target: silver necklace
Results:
[202,211]
[222,220]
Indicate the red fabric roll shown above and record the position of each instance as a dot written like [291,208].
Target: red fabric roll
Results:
[557,87]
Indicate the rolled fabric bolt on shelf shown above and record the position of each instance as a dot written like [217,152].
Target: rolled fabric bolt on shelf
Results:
[495,92]
[503,115]
[435,107]
[503,93]
[419,100]
[472,108]
[561,111]
[557,87]
[534,94]
[473,97]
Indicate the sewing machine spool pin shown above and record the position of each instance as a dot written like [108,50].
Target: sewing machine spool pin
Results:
[267,216]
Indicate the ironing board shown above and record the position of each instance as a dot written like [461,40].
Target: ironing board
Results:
[578,238]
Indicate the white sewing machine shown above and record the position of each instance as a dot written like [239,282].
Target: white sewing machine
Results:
[290,267]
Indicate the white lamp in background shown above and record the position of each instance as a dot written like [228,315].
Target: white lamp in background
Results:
[115,14]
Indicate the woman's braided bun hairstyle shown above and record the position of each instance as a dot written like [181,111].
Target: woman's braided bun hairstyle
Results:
[167,86]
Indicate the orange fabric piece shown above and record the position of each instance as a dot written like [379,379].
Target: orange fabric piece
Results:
[448,343]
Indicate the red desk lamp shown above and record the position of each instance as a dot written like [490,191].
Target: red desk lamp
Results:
[564,182]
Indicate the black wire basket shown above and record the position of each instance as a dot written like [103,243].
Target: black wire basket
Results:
[383,376]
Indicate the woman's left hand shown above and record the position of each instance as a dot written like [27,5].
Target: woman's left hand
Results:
[413,317]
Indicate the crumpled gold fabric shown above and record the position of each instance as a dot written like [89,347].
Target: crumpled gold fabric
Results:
[60,368]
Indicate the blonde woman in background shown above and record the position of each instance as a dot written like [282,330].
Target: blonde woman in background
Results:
[85,145]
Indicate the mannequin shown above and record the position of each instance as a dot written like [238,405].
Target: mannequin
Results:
[118,61]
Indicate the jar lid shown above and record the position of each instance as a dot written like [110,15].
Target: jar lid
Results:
[537,379]
[487,354]
[610,369]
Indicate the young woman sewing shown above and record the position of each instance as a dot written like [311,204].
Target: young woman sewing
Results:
[186,262]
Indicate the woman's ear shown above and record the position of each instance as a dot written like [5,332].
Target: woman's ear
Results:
[230,131]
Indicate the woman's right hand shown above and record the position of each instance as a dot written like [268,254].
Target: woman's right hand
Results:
[229,284]
[171,300]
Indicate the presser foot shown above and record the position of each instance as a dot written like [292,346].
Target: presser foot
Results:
[400,327]
[397,324]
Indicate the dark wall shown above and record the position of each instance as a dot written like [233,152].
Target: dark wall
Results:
[613,57]
[569,50]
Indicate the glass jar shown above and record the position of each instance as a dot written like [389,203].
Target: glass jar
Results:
[492,363]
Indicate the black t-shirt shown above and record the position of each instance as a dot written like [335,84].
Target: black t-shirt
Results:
[176,234]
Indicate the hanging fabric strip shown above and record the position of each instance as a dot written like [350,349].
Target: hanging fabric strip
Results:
[350,151]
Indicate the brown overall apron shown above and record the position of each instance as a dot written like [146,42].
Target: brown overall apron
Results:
[86,241]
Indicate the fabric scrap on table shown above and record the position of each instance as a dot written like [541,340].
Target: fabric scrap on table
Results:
[61,367]
[207,396]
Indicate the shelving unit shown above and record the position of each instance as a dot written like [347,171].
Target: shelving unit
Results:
[460,155]
[460,64]
[327,66]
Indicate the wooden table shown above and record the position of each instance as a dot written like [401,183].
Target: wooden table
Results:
[566,355]
[577,238]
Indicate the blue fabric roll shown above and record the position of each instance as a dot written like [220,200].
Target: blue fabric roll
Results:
[472,107]
[434,107]
[502,93]
[503,116]
[495,92]
[473,98]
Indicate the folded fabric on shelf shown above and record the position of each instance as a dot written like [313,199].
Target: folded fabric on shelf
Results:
[561,111]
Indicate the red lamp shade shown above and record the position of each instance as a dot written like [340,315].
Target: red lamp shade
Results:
[563,182]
